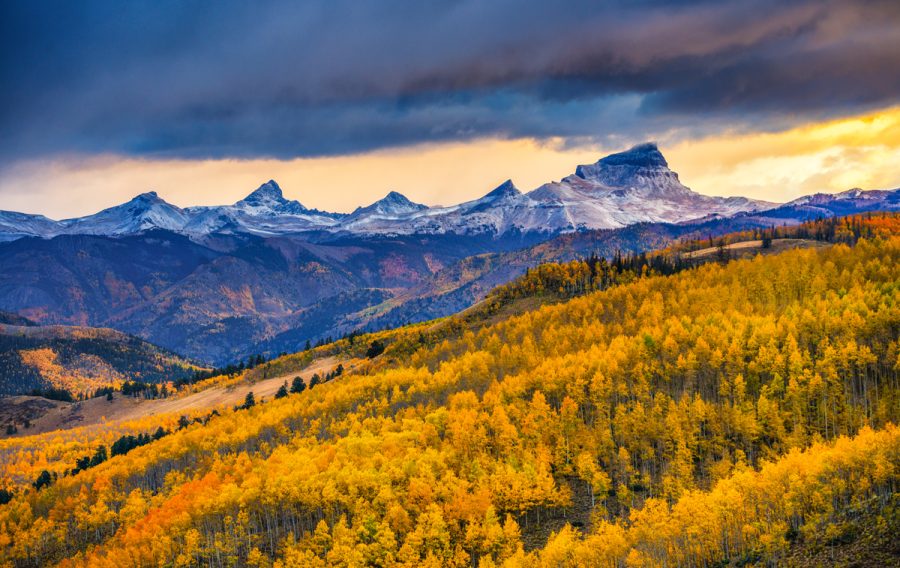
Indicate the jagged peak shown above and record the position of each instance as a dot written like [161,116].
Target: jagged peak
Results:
[505,189]
[269,195]
[267,192]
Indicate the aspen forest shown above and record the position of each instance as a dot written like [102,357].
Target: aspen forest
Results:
[627,412]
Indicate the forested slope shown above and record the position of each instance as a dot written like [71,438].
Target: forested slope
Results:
[723,413]
[80,359]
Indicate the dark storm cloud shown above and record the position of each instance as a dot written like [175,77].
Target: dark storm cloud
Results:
[251,79]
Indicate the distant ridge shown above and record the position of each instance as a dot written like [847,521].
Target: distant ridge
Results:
[621,189]
[78,359]
[627,187]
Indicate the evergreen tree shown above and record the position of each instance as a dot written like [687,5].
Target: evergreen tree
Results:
[99,456]
[376,348]
[43,480]
[282,391]
[82,463]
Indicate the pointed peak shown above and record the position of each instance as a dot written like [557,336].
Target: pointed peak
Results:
[505,189]
[268,197]
[394,203]
[399,201]
[396,197]
[267,192]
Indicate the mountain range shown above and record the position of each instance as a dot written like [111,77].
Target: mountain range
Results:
[621,189]
[266,274]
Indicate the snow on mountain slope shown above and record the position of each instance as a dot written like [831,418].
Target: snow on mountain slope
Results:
[631,187]
[621,189]
[391,205]
[625,188]
[391,208]
[265,211]
[843,203]
[146,211]
[268,200]
[855,194]
[14,225]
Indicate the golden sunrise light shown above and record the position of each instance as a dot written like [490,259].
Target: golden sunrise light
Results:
[831,156]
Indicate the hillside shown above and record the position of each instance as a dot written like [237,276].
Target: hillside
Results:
[80,359]
[215,301]
[49,415]
[548,284]
[471,279]
[723,413]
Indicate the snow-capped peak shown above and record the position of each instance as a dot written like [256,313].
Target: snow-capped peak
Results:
[846,195]
[505,189]
[148,197]
[623,188]
[268,193]
[640,166]
[851,193]
[397,197]
[141,204]
[645,155]
[394,204]
[144,211]
[269,199]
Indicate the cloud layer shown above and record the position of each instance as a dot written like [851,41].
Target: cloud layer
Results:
[860,151]
[264,79]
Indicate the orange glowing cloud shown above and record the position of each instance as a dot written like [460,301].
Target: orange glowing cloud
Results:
[861,151]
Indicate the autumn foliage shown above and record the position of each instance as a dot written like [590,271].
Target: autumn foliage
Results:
[716,414]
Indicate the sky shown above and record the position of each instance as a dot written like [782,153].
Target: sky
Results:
[342,101]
